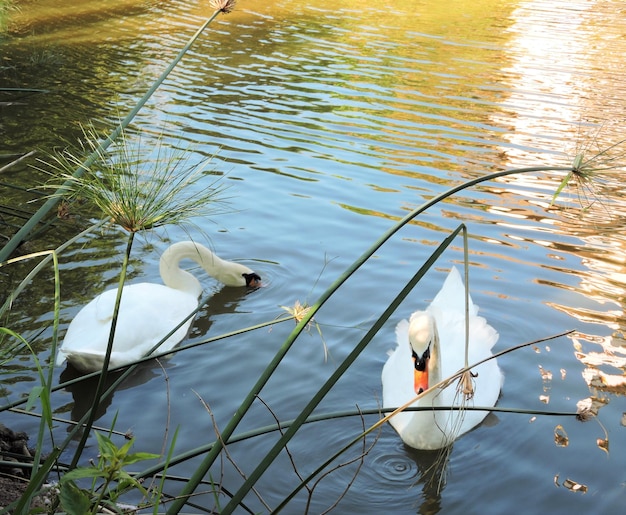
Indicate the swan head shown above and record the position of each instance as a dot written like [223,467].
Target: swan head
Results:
[424,341]
[253,280]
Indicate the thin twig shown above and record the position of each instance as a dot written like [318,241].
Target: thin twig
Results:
[227,454]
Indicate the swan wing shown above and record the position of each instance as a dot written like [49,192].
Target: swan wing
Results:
[448,308]
[148,312]
[451,297]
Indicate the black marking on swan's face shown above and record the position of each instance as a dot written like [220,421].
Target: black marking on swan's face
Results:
[421,362]
[252,280]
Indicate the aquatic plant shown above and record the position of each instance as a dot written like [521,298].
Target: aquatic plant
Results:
[135,187]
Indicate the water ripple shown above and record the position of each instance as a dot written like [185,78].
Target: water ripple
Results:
[395,467]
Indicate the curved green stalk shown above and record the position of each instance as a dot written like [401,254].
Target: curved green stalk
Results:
[253,433]
[228,431]
[48,256]
[273,453]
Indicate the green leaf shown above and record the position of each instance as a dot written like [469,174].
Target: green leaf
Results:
[123,450]
[34,394]
[107,448]
[81,473]
[74,500]
[139,456]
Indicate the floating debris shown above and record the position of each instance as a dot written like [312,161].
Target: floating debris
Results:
[588,408]
[546,375]
[560,436]
[573,486]
[570,484]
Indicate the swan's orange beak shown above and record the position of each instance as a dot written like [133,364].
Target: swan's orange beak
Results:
[420,380]
[420,372]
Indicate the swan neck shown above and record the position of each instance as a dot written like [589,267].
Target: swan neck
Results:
[228,273]
[434,369]
[175,277]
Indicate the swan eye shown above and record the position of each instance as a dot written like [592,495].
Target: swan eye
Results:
[421,363]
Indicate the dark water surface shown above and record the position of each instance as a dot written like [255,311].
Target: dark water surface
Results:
[332,120]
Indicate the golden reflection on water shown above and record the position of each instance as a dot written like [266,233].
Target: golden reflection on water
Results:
[580,103]
[568,92]
[78,21]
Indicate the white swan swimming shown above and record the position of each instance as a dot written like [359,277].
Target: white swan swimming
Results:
[434,341]
[148,311]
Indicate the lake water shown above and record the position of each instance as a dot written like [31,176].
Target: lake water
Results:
[330,122]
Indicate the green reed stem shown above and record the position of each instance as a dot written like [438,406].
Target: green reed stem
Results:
[107,355]
[341,369]
[23,232]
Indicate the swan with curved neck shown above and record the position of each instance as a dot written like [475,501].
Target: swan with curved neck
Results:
[431,347]
[148,311]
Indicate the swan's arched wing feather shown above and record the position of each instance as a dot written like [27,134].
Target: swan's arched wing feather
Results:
[402,332]
[148,313]
[451,297]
